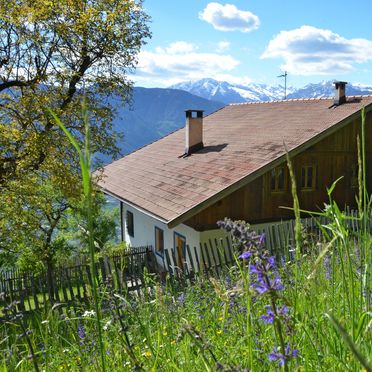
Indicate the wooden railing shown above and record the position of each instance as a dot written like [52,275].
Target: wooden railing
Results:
[72,284]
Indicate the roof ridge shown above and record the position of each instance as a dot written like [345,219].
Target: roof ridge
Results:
[297,100]
[280,101]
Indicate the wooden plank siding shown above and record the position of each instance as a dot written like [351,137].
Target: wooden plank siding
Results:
[333,157]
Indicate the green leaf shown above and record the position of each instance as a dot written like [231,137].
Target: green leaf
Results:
[349,342]
[362,321]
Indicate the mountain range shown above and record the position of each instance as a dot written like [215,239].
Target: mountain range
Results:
[234,93]
[156,112]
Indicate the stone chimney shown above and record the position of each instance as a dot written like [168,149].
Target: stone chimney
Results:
[340,92]
[194,131]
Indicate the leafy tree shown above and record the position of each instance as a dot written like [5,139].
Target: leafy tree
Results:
[29,218]
[51,54]
[40,227]
[50,50]
[105,222]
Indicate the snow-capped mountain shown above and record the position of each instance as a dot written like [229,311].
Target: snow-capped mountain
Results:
[212,89]
[233,93]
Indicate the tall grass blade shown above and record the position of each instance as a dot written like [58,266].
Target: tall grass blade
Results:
[296,205]
[84,159]
[349,342]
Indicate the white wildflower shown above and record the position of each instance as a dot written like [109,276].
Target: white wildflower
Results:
[107,325]
[89,313]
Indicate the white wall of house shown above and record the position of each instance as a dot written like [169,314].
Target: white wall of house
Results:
[144,235]
[144,231]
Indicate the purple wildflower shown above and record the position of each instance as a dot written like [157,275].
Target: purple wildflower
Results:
[262,239]
[181,299]
[269,318]
[245,255]
[81,332]
[275,356]
[270,315]
[270,263]
[327,267]
[281,358]
[265,280]
[265,284]
[265,266]
[244,238]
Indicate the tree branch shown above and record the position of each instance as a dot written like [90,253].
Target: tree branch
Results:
[17,83]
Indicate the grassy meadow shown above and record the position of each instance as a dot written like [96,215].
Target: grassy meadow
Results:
[307,313]
[306,309]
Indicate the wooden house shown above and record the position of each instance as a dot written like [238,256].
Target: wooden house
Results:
[232,163]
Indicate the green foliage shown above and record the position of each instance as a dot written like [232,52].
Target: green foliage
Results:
[85,168]
[52,54]
[38,224]
[113,249]
[105,221]
[209,325]
[29,215]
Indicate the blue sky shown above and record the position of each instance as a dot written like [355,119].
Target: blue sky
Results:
[255,41]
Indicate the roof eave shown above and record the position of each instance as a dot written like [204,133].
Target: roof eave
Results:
[252,176]
[142,210]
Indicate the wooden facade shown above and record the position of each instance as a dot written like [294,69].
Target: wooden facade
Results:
[316,168]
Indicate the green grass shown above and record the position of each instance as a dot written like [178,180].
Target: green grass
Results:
[30,304]
[196,327]
[216,324]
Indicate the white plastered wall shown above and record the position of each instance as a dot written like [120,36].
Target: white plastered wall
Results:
[144,231]
[144,235]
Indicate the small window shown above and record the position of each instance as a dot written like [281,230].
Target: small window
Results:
[159,240]
[278,179]
[308,177]
[130,224]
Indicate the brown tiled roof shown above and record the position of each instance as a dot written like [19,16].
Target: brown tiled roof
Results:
[240,140]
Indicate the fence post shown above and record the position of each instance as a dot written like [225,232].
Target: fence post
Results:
[190,258]
[197,259]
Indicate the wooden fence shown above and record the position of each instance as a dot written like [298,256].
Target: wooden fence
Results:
[124,273]
[72,284]
[216,254]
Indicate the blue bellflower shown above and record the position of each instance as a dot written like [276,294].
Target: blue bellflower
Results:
[281,358]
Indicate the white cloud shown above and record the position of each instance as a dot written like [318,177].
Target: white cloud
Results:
[223,46]
[237,80]
[312,51]
[178,47]
[229,18]
[180,61]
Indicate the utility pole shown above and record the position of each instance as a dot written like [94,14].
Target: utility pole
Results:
[285,83]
